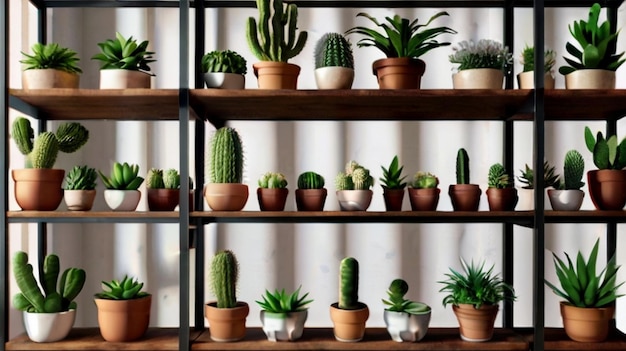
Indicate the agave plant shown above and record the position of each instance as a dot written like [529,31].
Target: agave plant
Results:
[126,289]
[51,56]
[550,177]
[282,302]
[392,176]
[123,53]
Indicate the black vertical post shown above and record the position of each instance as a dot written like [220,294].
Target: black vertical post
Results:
[509,27]
[4,167]
[611,129]
[42,123]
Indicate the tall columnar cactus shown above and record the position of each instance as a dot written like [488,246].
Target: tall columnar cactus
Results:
[226,156]
[310,180]
[333,50]
[349,284]
[462,167]
[42,152]
[278,43]
[224,275]
[573,170]
[32,299]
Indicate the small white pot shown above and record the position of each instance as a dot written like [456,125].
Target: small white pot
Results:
[406,327]
[526,199]
[354,200]
[221,80]
[334,77]
[283,326]
[124,79]
[122,200]
[48,327]
[478,78]
[79,200]
[566,200]
[590,79]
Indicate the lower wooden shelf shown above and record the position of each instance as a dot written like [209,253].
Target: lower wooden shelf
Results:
[555,339]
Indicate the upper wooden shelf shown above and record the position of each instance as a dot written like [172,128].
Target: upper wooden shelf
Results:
[93,217]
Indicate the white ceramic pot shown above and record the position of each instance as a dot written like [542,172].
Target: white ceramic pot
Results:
[283,326]
[124,79]
[590,79]
[406,327]
[79,200]
[526,199]
[334,77]
[526,80]
[354,200]
[49,79]
[122,200]
[48,327]
[221,80]
[478,78]
[566,200]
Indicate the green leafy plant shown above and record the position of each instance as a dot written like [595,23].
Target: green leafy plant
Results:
[42,152]
[272,180]
[392,176]
[607,153]
[159,179]
[475,285]
[402,37]
[49,300]
[528,59]
[424,180]
[485,53]
[123,177]
[462,167]
[123,53]
[126,289]
[598,45]
[580,285]
[51,56]
[224,272]
[498,178]
[225,61]
[310,180]
[573,171]
[397,303]
[226,156]
[349,284]
[333,50]
[81,178]
[278,43]
[355,177]
[550,177]
[282,302]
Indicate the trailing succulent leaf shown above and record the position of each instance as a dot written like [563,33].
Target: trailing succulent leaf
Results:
[123,177]
[498,178]
[51,56]
[397,303]
[81,178]
[485,53]
[392,176]
[333,50]
[224,276]
[424,180]
[607,153]
[123,53]
[550,178]
[272,180]
[226,156]
[580,285]
[528,59]
[349,284]
[126,289]
[462,167]
[225,61]
[597,45]
[402,37]
[282,302]
[355,177]
[310,180]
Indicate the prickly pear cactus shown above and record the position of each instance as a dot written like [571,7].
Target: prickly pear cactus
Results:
[71,136]
[224,275]
[333,50]
[226,157]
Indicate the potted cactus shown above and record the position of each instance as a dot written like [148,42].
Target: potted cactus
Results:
[393,185]
[121,193]
[124,63]
[38,187]
[80,188]
[272,192]
[464,196]
[348,314]
[163,189]
[283,315]
[334,62]
[311,194]
[353,187]
[226,315]
[527,191]
[481,65]
[406,320]
[224,69]
[423,192]
[49,314]
[123,310]
[273,41]
[50,66]
[501,192]
[607,184]
[225,190]
[526,79]
[567,195]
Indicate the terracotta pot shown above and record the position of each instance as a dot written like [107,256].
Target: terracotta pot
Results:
[465,197]
[122,200]
[502,199]
[220,80]
[354,200]
[393,199]
[349,325]
[311,199]
[283,326]
[406,327]
[79,200]
[526,80]
[38,189]
[476,325]
[334,77]
[48,327]
[124,79]
[49,79]
[424,199]
[607,188]
[566,200]
[123,320]
[586,324]
[478,78]
[227,324]
[399,72]
[590,79]
[163,199]
[272,199]
[276,75]
[226,196]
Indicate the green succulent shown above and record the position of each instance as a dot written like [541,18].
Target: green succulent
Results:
[424,180]
[498,178]
[485,53]
[282,302]
[392,176]
[225,61]
[123,177]
[397,303]
[81,178]
[123,53]
[127,289]
[51,56]
[607,153]
[528,59]
[550,178]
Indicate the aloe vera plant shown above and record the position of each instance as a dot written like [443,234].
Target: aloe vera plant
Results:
[392,176]
[283,302]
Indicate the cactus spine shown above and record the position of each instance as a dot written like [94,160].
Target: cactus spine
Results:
[310,180]
[349,284]
[462,167]
[355,177]
[45,150]
[333,50]
[573,170]
[271,45]
[226,157]
[224,275]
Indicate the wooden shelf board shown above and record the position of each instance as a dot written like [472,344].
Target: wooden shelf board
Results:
[585,216]
[585,105]
[555,339]
[93,216]
[96,104]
